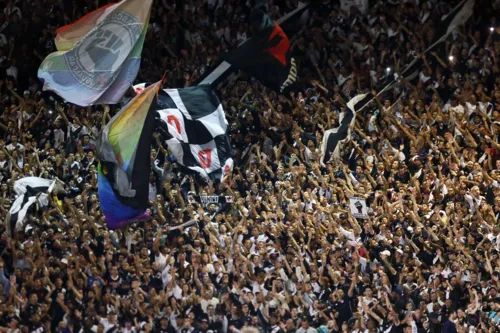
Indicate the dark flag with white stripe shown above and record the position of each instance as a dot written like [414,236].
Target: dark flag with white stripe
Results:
[30,191]
[196,128]
[335,138]
[454,19]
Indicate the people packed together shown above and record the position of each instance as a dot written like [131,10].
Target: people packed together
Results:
[274,247]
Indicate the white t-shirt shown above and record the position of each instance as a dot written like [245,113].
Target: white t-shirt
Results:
[16,146]
[309,330]
[161,260]
[205,303]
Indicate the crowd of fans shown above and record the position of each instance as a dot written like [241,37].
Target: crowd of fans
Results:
[286,255]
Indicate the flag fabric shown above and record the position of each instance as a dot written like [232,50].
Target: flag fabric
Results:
[334,138]
[457,17]
[196,130]
[266,55]
[98,57]
[123,149]
[29,190]
[362,5]
[223,69]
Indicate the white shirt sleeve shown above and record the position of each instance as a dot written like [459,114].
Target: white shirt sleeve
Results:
[353,180]
[348,234]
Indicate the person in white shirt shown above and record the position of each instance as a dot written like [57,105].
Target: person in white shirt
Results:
[128,328]
[14,144]
[474,198]
[208,299]
[108,323]
[305,328]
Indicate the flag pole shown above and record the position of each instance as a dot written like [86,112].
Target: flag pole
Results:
[411,64]
[224,67]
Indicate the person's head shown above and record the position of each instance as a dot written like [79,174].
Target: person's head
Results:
[13,324]
[305,323]
[85,139]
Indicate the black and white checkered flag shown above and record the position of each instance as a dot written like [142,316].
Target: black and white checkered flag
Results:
[197,130]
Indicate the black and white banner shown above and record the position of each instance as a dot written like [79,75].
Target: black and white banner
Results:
[451,21]
[458,16]
[195,127]
[207,200]
[29,190]
[334,138]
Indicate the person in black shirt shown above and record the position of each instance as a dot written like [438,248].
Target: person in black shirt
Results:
[341,302]
[204,326]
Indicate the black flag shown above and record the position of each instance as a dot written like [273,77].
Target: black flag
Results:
[266,55]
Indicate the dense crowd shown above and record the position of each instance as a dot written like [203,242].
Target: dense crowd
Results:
[285,254]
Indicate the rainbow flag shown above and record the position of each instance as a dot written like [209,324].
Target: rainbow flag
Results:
[123,151]
[98,57]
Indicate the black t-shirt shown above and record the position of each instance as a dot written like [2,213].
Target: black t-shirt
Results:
[41,293]
[390,327]
[37,328]
[236,322]
[168,329]
[446,92]
[156,281]
[344,310]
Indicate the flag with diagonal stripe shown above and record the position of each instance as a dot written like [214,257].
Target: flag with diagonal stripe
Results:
[30,191]
[457,17]
[334,138]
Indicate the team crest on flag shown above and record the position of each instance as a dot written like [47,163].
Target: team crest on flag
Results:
[173,121]
[205,158]
[99,55]
[96,59]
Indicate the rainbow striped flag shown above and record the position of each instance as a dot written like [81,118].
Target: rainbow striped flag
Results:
[125,166]
[98,57]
